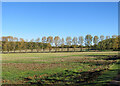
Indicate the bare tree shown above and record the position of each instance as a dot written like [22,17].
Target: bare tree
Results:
[107,37]
[88,41]
[101,37]
[81,40]
[56,41]
[62,43]
[114,36]
[74,42]
[68,41]
[50,41]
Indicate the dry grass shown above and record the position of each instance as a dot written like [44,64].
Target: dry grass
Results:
[33,66]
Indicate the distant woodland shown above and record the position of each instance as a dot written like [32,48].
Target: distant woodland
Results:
[14,44]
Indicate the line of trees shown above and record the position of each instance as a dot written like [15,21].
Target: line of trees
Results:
[10,43]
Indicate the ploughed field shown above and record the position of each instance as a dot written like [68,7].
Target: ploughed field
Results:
[82,68]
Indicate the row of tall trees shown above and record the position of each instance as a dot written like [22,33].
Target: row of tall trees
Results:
[10,43]
[109,43]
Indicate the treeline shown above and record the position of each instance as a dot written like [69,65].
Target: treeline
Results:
[10,43]
[108,44]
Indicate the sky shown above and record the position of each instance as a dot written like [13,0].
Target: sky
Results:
[37,19]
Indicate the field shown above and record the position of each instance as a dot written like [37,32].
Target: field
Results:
[83,68]
[47,50]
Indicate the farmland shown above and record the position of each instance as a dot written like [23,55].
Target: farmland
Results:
[83,68]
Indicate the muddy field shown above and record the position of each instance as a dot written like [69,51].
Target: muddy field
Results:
[59,68]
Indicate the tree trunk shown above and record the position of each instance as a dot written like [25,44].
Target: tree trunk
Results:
[88,48]
[2,50]
[20,50]
[43,49]
[14,49]
[62,49]
[31,50]
[37,50]
[25,50]
[81,48]
[68,49]
[74,49]
[56,49]
[8,51]
[49,49]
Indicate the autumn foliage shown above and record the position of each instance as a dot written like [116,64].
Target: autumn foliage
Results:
[10,43]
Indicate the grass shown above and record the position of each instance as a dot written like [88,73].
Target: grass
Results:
[65,68]
[108,75]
